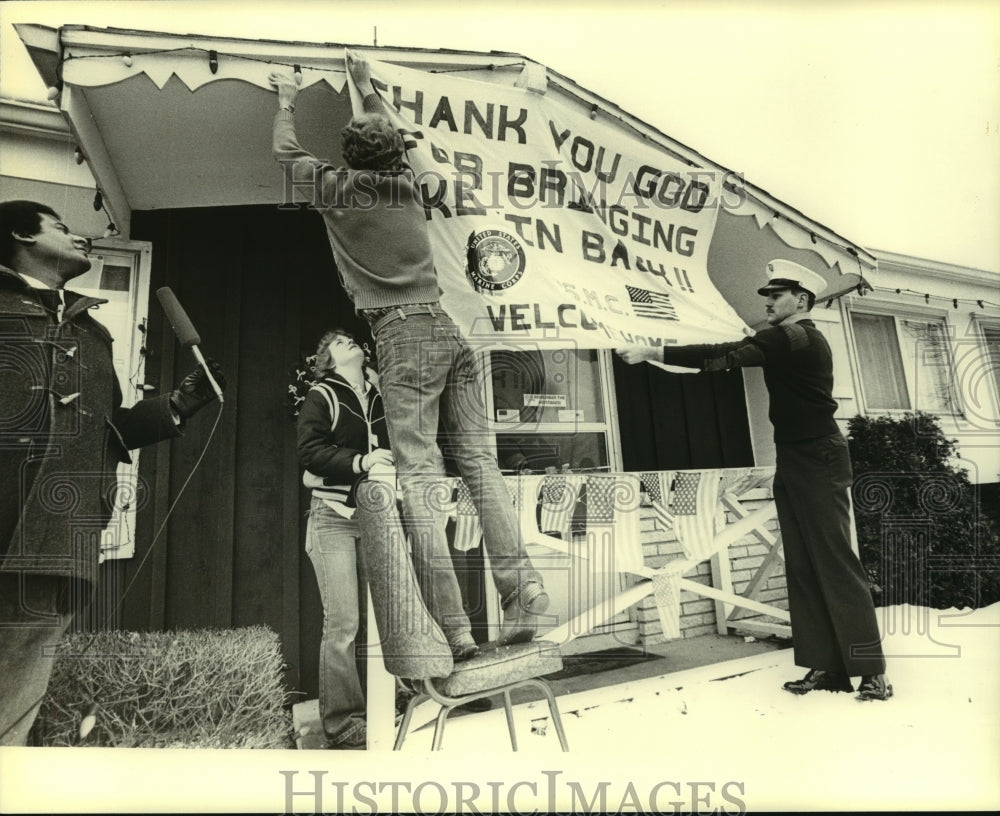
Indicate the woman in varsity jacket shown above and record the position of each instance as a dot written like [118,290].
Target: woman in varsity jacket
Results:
[341,436]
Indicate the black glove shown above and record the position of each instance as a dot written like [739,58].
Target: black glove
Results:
[195,391]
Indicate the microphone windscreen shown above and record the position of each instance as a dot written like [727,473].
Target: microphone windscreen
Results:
[179,321]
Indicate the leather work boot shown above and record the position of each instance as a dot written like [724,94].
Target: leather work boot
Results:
[819,680]
[874,687]
[520,616]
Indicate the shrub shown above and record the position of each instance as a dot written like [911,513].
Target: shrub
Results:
[183,689]
[922,536]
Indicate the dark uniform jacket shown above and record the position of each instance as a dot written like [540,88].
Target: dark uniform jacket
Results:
[63,430]
[798,373]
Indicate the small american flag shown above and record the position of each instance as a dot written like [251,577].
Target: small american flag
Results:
[654,305]
[600,500]
[468,531]
[667,594]
[559,495]
[613,542]
[696,495]
[657,486]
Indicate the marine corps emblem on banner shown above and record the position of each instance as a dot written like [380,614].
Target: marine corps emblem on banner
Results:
[494,260]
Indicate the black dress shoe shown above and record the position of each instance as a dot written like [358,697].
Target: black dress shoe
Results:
[874,687]
[819,680]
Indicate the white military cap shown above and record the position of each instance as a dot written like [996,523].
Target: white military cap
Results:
[782,274]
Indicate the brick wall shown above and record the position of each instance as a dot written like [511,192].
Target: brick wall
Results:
[698,614]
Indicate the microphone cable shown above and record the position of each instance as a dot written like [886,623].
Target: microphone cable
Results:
[169,512]
[91,706]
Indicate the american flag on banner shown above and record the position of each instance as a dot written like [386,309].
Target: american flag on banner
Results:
[694,506]
[655,305]
[559,495]
[468,531]
[657,486]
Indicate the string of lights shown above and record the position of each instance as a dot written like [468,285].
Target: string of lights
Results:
[954,301]
[213,60]
[214,55]
[111,230]
[490,67]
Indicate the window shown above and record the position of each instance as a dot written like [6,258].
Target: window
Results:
[550,410]
[991,339]
[904,362]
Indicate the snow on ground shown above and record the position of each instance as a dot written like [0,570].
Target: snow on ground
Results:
[723,739]
[933,745]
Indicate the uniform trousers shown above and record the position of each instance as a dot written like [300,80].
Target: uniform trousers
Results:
[834,627]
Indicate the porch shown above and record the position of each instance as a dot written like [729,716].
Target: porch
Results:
[608,575]
[589,677]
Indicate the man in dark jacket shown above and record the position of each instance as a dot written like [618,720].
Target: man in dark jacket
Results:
[834,629]
[63,432]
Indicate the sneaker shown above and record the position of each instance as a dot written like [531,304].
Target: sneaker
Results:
[819,680]
[520,616]
[874,687]
[464,648]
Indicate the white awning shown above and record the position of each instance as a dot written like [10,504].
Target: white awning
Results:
[168,120]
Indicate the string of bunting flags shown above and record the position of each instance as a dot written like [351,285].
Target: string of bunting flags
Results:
[594,518]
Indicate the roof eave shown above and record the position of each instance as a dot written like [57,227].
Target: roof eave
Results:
[43,119]
[46,46]
[936,269]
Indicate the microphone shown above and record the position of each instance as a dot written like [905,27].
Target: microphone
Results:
[186,333]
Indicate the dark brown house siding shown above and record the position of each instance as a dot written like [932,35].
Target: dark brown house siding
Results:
[259,285]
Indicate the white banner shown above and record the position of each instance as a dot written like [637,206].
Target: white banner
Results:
[550,225]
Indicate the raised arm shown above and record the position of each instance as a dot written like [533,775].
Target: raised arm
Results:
[360,72]
[716,357]
[301,167]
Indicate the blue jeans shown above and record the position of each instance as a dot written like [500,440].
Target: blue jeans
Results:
[429,382]
[331,544]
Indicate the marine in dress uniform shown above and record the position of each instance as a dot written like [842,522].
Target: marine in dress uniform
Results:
[834,629]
